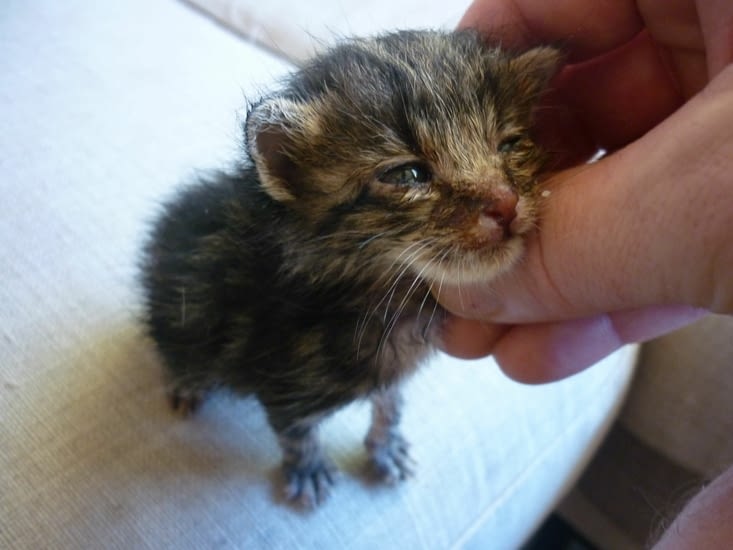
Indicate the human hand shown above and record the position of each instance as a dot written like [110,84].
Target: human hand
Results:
[638,243]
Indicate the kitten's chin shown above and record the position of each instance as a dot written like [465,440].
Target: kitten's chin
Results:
[472,266]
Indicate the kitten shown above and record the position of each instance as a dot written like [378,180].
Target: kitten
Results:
[381,170]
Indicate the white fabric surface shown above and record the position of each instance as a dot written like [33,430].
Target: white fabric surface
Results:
[104,108]
[295,30]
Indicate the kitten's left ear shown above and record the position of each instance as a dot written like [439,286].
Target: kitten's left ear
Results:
[534,69]
[277,130]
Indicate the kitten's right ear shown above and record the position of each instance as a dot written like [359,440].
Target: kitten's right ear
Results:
[534,69]
[276,129]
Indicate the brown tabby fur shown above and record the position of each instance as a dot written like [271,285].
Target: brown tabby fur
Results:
[305,276]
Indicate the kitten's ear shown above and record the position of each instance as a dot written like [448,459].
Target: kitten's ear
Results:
[276,129]
[534,69]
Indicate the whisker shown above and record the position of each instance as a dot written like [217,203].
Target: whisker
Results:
[407,249]
[410,260]
[353,232]
[461,267]
[435,261]
[372,238]
[397,275]
[413,258]
[437,304]
[398,312]
[440,288]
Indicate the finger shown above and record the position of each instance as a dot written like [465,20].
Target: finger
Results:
[621,96]
[716,20]
[551,351]
[582,28]
[468,339]
[675,26]
[606,104]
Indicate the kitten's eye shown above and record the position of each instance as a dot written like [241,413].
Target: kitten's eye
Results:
[508,144]
[406,174]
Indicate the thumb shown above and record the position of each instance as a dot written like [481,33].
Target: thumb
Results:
[648,225]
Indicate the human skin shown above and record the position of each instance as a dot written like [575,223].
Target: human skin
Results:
[705,520]
[639,243]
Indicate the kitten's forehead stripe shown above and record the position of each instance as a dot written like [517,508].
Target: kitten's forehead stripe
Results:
[418,77]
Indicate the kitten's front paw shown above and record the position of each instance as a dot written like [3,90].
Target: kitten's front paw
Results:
[308,485]
[390,458]
[185,401]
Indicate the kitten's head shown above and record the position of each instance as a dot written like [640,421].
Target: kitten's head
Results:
[407,151]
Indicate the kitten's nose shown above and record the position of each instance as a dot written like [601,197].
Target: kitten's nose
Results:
[502,206]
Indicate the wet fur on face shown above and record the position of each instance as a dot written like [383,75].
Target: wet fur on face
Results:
[382,167]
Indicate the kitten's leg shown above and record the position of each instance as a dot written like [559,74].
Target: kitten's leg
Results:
[186,391]
[388,449]
[309,473]
[185,400]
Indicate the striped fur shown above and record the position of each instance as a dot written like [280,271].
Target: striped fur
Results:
[304,276]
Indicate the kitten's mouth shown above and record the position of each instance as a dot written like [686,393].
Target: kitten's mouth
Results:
[493,226]
[488,231]
[474,248]
[490,245]
[470,263]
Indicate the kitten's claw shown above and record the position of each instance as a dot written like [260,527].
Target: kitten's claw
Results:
[185,402]
[390,459]
[309,485]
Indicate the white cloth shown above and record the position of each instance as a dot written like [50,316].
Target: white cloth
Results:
[104,108]
[295,30]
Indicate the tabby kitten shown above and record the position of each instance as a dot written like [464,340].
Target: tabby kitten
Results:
[382,169]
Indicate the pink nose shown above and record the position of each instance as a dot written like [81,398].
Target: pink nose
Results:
[502,206]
